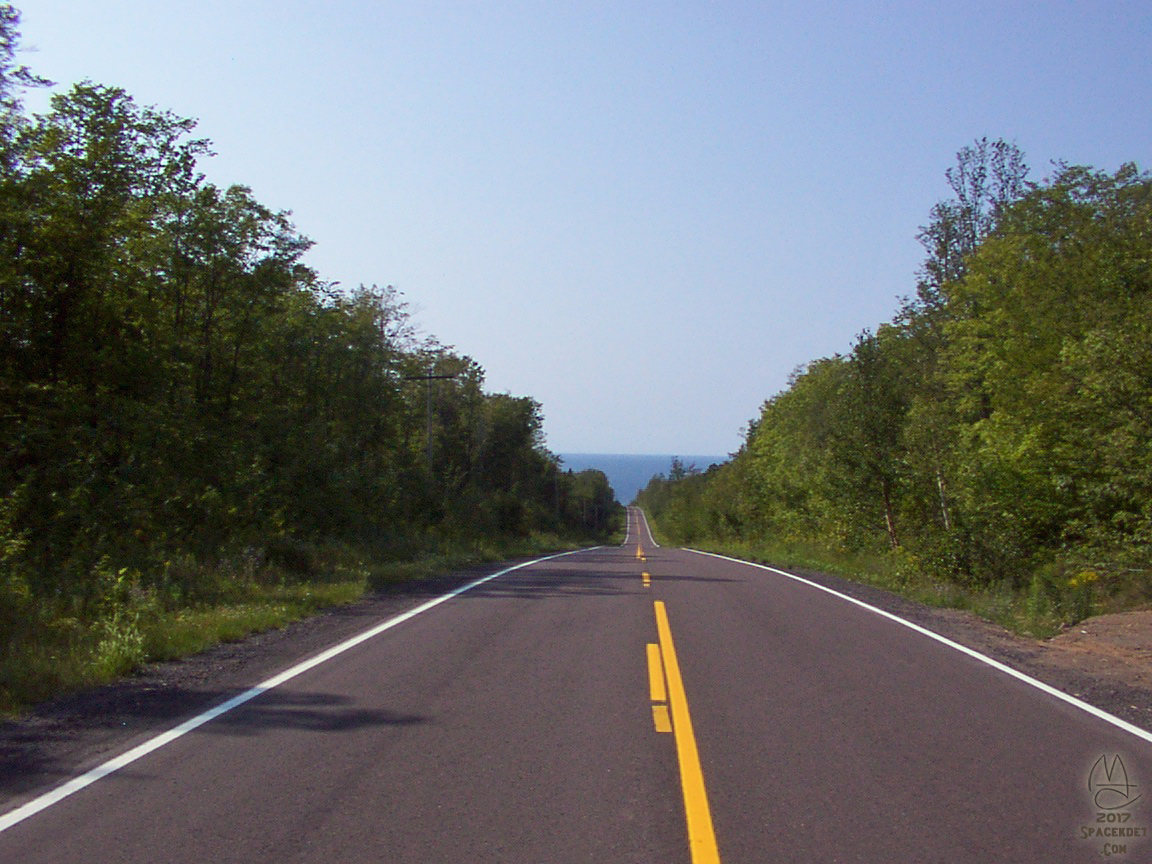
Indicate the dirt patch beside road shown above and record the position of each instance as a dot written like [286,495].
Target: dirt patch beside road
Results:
[1116,647]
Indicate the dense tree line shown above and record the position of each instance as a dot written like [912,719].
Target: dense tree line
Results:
[175,384]
[999,430]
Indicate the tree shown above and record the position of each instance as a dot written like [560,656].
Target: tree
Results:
[14,79]
[986,179]
[1070,266]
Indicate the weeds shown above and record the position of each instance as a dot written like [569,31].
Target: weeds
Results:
[187,606]
[1057,596]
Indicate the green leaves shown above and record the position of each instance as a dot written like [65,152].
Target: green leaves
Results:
[177,385]
[1000,429]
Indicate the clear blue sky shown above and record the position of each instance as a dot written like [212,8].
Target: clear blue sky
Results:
[644,215]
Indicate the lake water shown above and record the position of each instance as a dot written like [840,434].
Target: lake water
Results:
[629,473]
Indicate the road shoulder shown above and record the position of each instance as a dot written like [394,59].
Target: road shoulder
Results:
[1105,661]
[66,736]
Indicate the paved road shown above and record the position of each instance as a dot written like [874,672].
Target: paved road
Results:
[529,720]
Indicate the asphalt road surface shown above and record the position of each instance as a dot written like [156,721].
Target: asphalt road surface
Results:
[624,704]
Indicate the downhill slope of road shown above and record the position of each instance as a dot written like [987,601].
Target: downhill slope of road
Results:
[631,704]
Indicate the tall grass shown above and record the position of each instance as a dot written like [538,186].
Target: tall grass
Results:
[1057,595]
[47,649]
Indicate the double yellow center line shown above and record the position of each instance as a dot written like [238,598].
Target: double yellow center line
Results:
[670,714]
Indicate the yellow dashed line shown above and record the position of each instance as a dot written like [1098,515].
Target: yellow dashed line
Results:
[656,686]
[661,719]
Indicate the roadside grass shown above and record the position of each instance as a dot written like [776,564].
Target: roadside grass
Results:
[1054,598]
[50,650]
[54,652]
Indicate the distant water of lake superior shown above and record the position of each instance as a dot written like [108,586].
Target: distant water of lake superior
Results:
[629,473]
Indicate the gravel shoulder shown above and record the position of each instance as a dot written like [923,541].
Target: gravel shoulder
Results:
[1106,661]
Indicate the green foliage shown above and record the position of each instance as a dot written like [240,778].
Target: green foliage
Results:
[995,440]
[586,499]
[188,410]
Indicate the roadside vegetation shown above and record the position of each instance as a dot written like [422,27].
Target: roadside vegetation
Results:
[989,448]
[203,437]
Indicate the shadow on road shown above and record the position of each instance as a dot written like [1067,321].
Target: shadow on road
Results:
[309,712]
[582,576]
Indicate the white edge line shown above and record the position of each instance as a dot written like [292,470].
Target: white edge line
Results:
[74,785]
[644,519]
[983,658]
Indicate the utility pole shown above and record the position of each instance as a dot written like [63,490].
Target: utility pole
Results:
[428,379]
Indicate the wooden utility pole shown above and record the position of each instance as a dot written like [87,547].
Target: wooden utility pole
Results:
[428,379]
